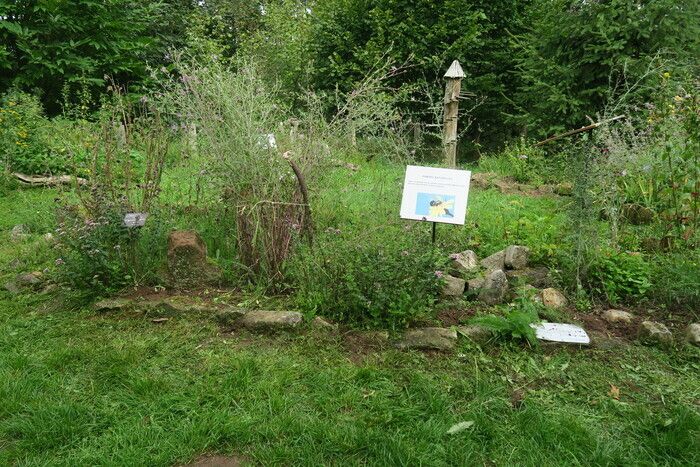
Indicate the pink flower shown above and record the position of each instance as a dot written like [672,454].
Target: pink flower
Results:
[439,274]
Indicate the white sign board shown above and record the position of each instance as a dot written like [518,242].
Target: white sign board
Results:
[135,219]
[435,195]
[560,332]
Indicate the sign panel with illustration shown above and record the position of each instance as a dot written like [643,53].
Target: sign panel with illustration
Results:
[435,195]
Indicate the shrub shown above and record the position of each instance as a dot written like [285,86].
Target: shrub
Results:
[98,253]
[35,144]
[524,162]
[21,123]
[675,280]
[620,276]
[234,114]
[370,284]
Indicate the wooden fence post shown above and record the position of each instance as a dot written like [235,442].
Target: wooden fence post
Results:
[453,86]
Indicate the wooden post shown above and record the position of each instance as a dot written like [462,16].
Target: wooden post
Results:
[454,77]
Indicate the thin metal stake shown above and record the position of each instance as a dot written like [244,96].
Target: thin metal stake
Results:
[434,224]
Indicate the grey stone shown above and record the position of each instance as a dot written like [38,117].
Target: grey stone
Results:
[475,283]
[13,288]
[618,317]
[495,261]
[465,261]
[537,276]
[321,323]
[50,288]
[229,317]
[453,287]
[495,288]
[564,189]
[692,333]
[429,339]
[516,257]
[261,320]
[602,341]
[19,233]
[658,333]
[114,304]
[30,279]
[476,333]
[553,298]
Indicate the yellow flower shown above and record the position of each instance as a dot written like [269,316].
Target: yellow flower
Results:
[667,75]
[678,98]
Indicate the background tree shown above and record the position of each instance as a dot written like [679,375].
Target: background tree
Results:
[577,56]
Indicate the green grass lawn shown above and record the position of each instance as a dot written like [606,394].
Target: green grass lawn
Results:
[80,388]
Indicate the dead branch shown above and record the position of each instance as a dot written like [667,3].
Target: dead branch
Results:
[308,222]
[579,130]
[33,180]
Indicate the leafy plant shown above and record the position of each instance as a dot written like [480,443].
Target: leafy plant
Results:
[379,283]
[98,252]
[21,122]
[515,323]
[620,276]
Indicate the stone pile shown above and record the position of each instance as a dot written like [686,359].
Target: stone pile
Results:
[490,279]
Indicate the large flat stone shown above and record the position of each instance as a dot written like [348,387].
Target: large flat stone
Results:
[261,320]
[537,276]
[618,317]
[553,298]
[429,339]
[476,333]
[465,261]
[114,304]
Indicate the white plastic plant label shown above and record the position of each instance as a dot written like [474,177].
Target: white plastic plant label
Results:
[560,332]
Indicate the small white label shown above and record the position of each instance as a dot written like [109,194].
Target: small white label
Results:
[560,332]
[135,219]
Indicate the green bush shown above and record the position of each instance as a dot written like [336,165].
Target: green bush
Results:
[371,284]
[524,162]
[676,280]
[95,252]
[620,276]
[34,144]
[21,122]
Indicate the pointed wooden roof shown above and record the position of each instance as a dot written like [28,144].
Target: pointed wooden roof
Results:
[455,71]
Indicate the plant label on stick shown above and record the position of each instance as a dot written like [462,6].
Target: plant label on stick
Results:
[435,195]
[135,219]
